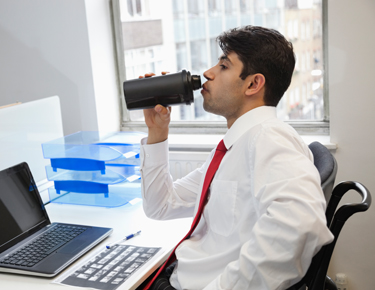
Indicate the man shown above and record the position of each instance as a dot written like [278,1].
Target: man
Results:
[264,219]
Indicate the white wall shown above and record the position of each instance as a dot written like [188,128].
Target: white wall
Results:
[104,66]
[351,62]
[54,47]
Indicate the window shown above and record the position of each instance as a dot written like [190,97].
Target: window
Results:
[171,35]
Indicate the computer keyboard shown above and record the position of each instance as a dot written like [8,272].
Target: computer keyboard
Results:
[43,245]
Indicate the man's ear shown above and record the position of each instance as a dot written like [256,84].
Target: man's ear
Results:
[255,84]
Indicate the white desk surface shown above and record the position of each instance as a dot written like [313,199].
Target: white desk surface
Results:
[124,220]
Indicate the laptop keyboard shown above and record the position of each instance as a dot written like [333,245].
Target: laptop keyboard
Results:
[43,245]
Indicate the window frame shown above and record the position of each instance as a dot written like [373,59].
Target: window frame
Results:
[319,127]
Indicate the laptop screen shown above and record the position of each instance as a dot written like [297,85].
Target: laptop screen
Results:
[21,209]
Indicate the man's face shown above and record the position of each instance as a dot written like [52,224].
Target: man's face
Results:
[224,90]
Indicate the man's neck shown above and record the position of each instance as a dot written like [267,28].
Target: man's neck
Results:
[230,121]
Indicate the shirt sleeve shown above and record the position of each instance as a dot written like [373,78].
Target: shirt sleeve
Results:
[291,225]
[162,198]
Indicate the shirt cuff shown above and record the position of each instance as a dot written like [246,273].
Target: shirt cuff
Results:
[154,154]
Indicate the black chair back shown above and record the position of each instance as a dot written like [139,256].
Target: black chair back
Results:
[326,164]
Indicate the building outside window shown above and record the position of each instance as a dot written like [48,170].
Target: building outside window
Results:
[171,35]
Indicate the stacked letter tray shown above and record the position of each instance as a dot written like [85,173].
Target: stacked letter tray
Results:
[94,168]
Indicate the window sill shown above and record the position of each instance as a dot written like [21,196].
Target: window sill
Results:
[313,128]
[204,143]
[204,136]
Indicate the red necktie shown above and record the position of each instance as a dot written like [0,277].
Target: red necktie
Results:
[214,165]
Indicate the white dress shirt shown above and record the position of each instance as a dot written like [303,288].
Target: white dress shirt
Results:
[265,217]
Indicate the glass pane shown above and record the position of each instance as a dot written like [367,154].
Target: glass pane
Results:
[171,35]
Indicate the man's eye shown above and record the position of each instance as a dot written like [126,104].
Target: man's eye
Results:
[223,66]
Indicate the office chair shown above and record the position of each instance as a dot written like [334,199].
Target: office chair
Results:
[326,164]
[316,277]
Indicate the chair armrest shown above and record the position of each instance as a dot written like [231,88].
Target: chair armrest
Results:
[346,211]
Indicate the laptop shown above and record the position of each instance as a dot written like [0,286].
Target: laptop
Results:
[29,243]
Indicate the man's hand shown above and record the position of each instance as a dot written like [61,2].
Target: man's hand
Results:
[157,120]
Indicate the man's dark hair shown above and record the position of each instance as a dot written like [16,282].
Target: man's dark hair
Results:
[265,51]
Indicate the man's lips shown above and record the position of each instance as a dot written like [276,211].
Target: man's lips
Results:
[205,87]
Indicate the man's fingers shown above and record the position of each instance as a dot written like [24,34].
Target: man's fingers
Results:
[147,75]
[163,111]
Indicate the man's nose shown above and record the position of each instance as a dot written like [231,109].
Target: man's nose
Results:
[208,74]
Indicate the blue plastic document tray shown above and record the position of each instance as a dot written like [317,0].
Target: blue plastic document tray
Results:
[91,150]
[111,175]
[89,167]
[117,195]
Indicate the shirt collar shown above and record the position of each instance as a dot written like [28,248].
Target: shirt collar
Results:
[246,122]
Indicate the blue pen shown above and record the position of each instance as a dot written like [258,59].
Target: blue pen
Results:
[132,235]
[124,239]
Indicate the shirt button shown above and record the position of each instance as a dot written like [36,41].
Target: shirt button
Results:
[147,155]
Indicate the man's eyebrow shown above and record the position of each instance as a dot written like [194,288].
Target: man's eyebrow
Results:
[224,57]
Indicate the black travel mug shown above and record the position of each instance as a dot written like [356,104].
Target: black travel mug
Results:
[166,90]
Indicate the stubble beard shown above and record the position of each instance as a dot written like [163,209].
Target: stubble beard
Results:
[213,108]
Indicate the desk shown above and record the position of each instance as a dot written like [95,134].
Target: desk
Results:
[124,220]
